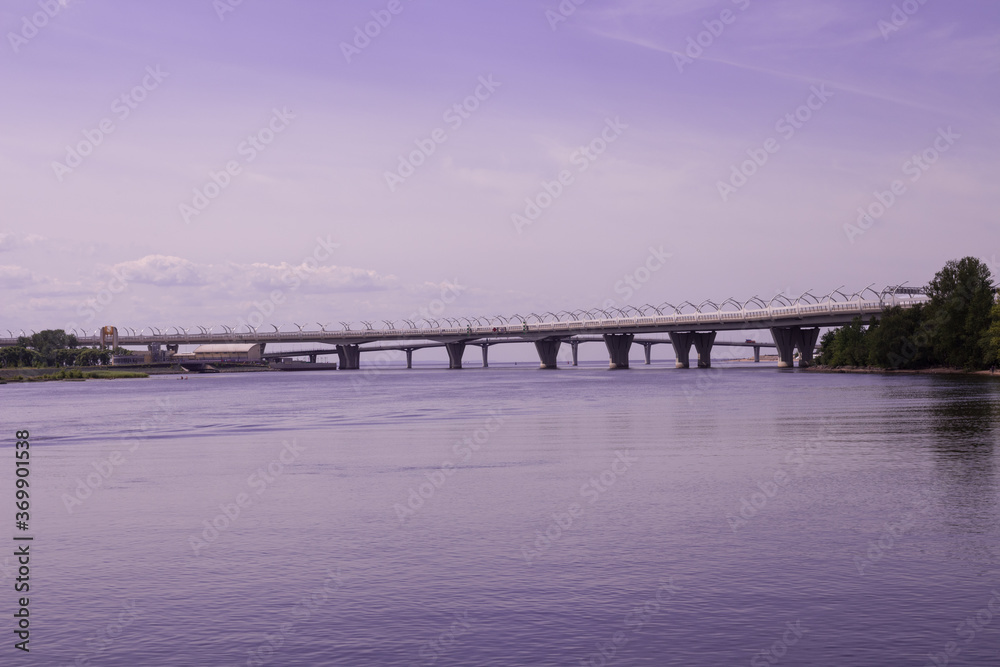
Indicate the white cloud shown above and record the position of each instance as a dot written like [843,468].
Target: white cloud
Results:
[237,279]
[9,241]
[15,276]
[163,270]
[310,279]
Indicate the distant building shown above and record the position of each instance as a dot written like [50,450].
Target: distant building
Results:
[229,351]
[129,359]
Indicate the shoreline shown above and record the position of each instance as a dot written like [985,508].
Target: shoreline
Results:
[64,375]
[871,370]
[12,375]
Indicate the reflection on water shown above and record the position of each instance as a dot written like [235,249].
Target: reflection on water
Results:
[513,516]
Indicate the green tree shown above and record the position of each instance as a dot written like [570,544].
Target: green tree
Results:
[846,346]
[991,338]
[64,357]
[51,347]
[48,340]
[892,345]
[961,298]
[92,356]
[12,357]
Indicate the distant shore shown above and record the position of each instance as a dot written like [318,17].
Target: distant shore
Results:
[888,371]
[72,374]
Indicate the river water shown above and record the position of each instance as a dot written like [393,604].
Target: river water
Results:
[510,516]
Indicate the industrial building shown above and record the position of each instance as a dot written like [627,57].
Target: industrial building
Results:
[227,352]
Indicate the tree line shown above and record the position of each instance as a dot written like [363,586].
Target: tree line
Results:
[958,327]
[53,348]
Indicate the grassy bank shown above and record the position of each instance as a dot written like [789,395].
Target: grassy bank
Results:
[38,375]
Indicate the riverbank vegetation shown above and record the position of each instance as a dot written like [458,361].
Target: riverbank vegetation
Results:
[958,327]
[52,348]
[74,374]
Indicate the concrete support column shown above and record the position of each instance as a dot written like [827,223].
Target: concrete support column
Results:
[349,357]
[646,348]
[784,340]
[703,343]
[574,344]
[807,344]
[756,353]
[172,347]
[486,356]
[455,352]
[547,351]
[312,358]
[409,357]
[788,339]
[681,342]
[618,347]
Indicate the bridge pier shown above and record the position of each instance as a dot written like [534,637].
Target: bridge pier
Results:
[455,352]
[486,356]
[312,358]
[756,354]
[681,342]
[787,339]
[702,341]
[646,349]
[547,349]
[807,346]
[618,346]
[574,344]
[349,357]
[409,357]
[703,344]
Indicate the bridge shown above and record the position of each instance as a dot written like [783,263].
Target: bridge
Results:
[794,325]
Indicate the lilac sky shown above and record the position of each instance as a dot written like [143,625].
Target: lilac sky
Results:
[832,99]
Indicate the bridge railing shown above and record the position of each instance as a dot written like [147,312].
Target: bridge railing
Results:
[787,310]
